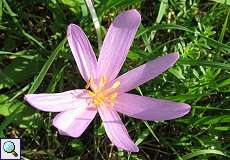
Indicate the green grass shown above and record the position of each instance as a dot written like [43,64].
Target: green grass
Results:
[35,58]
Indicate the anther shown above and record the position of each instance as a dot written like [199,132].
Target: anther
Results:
[116,85]
[113,96]
[103,81]
[89,82]
[91,94]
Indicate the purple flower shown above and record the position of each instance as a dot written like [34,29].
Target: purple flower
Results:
[104,92]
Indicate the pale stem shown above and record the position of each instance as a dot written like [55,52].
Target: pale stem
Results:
[95,22]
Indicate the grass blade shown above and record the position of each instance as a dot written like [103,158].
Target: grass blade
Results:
[202,152]
[33,88]
[222,1]
[205,63]
[214,43]
[162,10]
[30,38]
[45,68]
[224,28]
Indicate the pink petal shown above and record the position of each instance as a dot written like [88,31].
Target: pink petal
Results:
[82,51]
[116,130]
[57,102]
[146,72]
[117,43]
[147,108]
[74,122]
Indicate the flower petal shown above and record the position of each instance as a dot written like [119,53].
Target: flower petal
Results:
[74,122]
[117,43]
[116,130]
[57,102]
[147,108]
[145,72]
[82,51]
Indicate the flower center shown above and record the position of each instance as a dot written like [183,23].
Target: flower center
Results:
[101,93]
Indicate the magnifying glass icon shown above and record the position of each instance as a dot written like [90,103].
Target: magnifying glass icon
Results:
[9,147]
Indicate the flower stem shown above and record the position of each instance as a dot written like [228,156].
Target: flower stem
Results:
[95,22]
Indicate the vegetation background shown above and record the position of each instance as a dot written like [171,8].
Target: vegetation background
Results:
[35,58]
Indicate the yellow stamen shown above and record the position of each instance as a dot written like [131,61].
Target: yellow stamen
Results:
[113,96]
[98,101]
[103,81]
[100,94]
[116,85]
[91,94]
[89,82]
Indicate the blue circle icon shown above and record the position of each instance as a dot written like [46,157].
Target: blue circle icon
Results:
[9,147]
